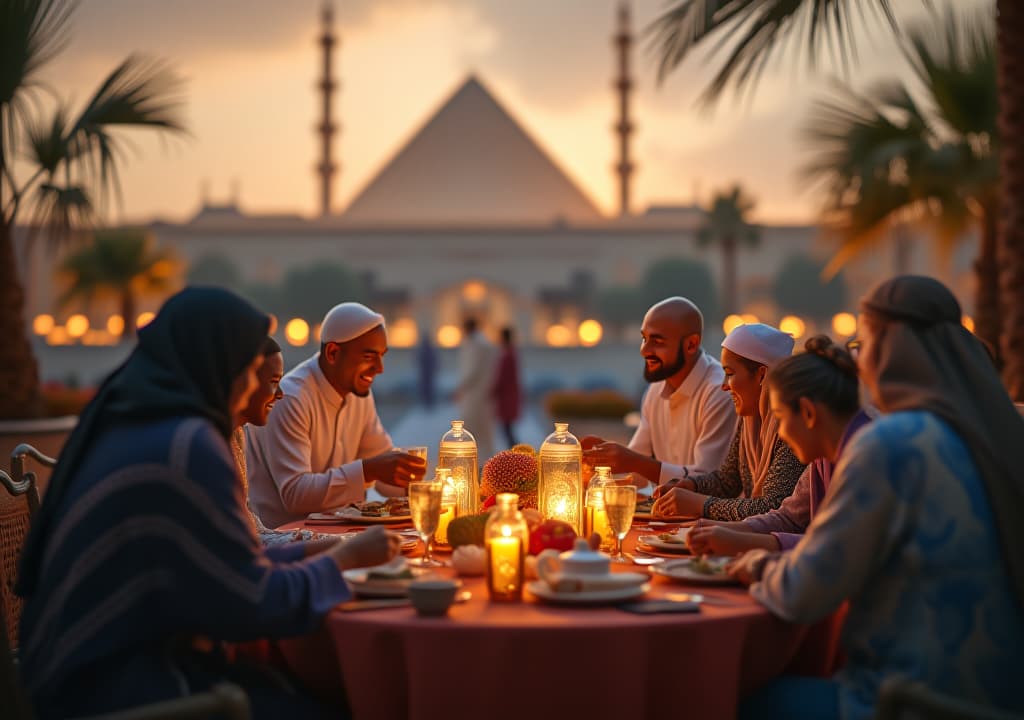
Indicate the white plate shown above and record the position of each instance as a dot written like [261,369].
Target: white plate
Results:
[340,517]
[657,543]
[541,589]
[681,570]
[357,582]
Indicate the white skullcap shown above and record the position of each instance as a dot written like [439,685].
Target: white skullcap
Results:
[759,342]
[348,321]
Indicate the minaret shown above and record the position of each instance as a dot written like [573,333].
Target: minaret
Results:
[624,128]
[326,129]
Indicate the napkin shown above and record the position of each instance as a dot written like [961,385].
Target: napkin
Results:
[584,583]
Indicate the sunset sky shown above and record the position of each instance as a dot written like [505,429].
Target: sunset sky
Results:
[251,66]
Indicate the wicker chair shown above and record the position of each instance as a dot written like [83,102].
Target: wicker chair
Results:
[17,506]
[902,699]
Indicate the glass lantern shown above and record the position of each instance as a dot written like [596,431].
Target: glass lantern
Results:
[449,504]
[506,536]
[560,488]
[595,517]
[458,454]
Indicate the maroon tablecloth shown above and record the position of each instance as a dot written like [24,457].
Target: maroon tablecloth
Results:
[532,660]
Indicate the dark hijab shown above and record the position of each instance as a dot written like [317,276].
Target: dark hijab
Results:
[927,360]
[185,363]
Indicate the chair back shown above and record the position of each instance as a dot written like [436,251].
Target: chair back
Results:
[19,501]
[12,697]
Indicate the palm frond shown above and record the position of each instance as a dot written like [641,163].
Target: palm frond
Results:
[756,31]
[47,142]
[61,210]
[727,217]
[137,93]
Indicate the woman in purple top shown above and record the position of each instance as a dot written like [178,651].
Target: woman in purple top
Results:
[815,398]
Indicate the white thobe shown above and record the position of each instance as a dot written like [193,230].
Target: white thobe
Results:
[691,428]
[477,365]
[307,457]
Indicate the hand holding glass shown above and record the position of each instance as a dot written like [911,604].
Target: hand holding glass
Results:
[425,506]
[619,504]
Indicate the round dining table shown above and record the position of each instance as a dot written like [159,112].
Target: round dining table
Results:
[533,660]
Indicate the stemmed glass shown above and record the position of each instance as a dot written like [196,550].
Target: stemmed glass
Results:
[619,504]
[425,506]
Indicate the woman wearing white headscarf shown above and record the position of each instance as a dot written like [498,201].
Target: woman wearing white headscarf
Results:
[760,470]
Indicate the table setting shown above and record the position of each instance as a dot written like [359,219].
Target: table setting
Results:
[546,577]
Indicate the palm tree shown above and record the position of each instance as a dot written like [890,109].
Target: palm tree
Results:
[894,156]
[726,225]
[752,31]
[122,263]
[68,166]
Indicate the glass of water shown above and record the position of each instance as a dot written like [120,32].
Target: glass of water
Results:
[619,504]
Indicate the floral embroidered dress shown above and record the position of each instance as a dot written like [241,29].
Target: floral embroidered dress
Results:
[907,535]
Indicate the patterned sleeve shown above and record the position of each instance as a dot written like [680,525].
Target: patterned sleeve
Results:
[726,481]
[783,474]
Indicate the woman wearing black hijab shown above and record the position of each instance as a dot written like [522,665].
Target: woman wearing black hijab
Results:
[142,545]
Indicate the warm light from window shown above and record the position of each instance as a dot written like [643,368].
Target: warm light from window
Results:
[731,323]
[296,332]
[448,336]
[43,324]
[97,337]
[58,336]
[590,332]
[144,319]
[793,325]
[403,333]
[474,291]
[558,336]
[77,325]
[844,324]
[968,322]
[115,325]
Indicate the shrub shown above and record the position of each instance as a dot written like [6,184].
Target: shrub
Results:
[609,404]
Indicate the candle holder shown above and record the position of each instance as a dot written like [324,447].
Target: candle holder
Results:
[458,453]
[506,537]
[449,504]
[595,516]
[560,488]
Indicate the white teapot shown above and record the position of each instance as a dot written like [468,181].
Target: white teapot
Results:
[580,562]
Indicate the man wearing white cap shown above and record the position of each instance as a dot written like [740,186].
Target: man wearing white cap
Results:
[686,421]
[324,444]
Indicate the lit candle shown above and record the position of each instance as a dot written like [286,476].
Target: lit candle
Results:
[447,515]
[505,568]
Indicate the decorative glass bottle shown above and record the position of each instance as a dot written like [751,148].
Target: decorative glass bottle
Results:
[458,454]
[506,537]
[595,517]
[560,488]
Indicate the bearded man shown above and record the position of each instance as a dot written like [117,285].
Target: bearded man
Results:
[686,421]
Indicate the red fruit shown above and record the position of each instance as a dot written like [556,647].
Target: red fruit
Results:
[489,502]
[552,534]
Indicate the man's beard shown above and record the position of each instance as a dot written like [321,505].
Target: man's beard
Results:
[666,371]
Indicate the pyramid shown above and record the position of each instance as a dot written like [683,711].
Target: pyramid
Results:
[471,164]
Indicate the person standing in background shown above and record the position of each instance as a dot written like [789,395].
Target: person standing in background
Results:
[426,363]
[473,393]
[506,391]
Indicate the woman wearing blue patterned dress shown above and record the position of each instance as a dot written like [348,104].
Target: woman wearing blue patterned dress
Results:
[922,528]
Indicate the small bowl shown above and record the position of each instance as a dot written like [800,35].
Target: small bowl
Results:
[432,598]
